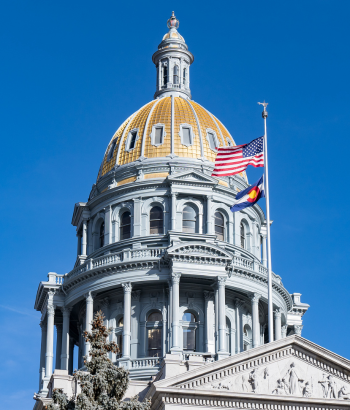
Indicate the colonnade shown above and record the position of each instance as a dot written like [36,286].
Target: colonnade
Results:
[65,343]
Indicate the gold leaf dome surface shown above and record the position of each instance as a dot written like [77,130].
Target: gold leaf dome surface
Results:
[163,111]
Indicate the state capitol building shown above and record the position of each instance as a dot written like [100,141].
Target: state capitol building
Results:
[181,280]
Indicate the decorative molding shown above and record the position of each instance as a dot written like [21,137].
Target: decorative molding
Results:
[176,278]
[255,297]
[127,287]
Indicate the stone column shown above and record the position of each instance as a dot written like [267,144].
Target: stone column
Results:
[298,329]
[255,297]
[137,217]
[175,348]
[127,320]
[42,354]
[264,255]
[222,352]
[50,312]
[88,319]
[170,308]
[58,345]
[238,306]
[216,301]
[278,330]
[209,216]
[108,225]
[65,338]
[173,211]
[164,330]
[208,322]
[71,352]
[284,331]
[79,244]
[84,240]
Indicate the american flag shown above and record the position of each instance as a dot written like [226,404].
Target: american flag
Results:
[233,160]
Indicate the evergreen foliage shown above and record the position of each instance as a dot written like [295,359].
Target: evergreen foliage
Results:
[103,385]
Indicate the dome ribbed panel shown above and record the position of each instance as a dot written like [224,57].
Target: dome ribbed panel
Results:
[224,131]
[108,165]
[205,122]
[184,115]
[160,115]
[138,122]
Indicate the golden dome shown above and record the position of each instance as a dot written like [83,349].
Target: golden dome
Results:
[175,116]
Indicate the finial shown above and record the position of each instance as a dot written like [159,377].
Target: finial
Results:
[173,22]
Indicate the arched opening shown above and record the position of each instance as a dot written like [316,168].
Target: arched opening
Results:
[228,335]
[189,327]
[125,225]
[176,75]
[102,235]
[243,238]
[154,334]
[219,222]
[184,76]
[165,75]
[189,220]
[156,221]
[119,336]
[247,337]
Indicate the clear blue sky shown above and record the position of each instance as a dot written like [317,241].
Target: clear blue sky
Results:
[72,71]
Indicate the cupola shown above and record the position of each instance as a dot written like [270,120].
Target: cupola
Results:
[173,62]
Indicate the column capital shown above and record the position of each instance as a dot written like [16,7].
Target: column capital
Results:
[255,297]
[127,287]
[238,303]
[298,329]
[284,330]
[277,313]
[176,277]
[221,280]
[66,310]
[210,197]
[89,297]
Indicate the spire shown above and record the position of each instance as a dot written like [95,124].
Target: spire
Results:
[173,62]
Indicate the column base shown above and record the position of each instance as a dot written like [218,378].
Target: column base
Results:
[222,355]
[176,350]
[124,362]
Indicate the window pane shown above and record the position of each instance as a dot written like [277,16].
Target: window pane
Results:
[189,339]
[156,220]
[156,213]
[188,317]
[212,142]
[132,140]
[125,225]
[158,139]
[189,220]
[121,322]
[189,213]
[186,136]
[154,342]
[155,317]
[165,75]
[111,150]
[102,234]
[219,225]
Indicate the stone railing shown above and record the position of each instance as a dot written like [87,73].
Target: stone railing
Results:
[243,262]
[146,362]
[116,257]
[55,278]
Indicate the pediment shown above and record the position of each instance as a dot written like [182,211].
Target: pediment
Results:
[193,176]
[199,249]
[291,368]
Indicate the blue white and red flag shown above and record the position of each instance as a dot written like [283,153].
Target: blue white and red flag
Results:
[233,160]
[249,196]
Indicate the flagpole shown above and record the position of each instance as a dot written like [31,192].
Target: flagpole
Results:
[267,195]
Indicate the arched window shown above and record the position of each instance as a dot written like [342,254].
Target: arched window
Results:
[102,235]
[219,226]
[184,76]
[189,327]
[156,220]
[243,241]
[154,334]
[125,225]
[247,337]
[228,335]
[189,220]
[176,75]
[165,75]
[119,336]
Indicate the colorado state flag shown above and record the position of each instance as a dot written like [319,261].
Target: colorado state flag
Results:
[249,196]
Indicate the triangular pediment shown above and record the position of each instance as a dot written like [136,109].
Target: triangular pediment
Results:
[289,369]
[193,176]
[200,249]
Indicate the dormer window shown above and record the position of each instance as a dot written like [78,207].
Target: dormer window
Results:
[229,142]
[111,150]
[131,140]
[158,134]
[176,75]
[186,134]
[212,140]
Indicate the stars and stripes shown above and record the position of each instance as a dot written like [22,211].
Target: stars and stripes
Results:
[233,160]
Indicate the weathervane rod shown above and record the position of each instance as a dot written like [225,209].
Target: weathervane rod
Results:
[267,195]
